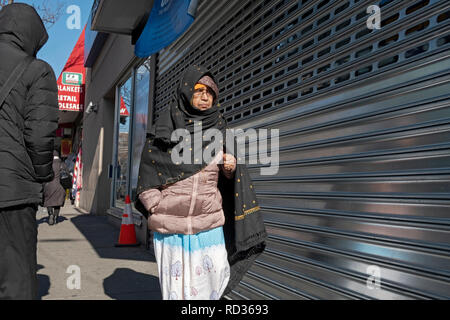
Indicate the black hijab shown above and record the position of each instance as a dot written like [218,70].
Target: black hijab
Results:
[157,168]
[244,228]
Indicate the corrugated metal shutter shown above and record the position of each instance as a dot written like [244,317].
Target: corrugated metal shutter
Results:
[364,119]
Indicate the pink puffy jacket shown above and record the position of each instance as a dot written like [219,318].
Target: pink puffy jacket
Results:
[188,206]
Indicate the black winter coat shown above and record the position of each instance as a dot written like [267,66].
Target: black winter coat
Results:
[29,115]
[54,193]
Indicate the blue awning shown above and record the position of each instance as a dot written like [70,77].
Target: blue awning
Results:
[167,21]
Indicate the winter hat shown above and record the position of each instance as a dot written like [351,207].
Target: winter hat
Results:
[208,81]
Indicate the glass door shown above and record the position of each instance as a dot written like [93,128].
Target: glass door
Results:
[124,129]
[141,94]
[132,103]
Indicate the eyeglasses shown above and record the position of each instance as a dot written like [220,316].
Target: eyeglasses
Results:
[200,92]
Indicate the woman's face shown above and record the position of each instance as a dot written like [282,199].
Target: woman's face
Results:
[203,97]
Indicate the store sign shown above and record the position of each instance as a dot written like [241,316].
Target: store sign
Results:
[123,108]
[72,78]
[71,82]
[124,112]
[71,98]
[168,20]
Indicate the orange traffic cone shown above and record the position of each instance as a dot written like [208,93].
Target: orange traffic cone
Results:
[127,237]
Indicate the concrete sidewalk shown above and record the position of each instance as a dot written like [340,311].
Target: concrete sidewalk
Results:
[87,242]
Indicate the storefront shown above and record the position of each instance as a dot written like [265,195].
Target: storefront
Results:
[362,189]
[130,131]
[115,124]
[71,99]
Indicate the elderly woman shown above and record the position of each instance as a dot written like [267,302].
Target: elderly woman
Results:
[183,200]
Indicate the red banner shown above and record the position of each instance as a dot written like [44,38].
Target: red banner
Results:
[123,108]
[71,82]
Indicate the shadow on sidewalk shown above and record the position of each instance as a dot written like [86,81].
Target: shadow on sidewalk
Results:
[45,220]
[43,283]
[127,284]
[103,236]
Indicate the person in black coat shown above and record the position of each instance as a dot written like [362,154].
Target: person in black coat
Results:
[54,193]
[28,123]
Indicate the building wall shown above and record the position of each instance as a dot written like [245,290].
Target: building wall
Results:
[364,129]
[359,208]
[116,57]
[113,64]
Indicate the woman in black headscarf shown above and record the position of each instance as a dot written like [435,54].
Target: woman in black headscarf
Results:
[54,193]
[183,198]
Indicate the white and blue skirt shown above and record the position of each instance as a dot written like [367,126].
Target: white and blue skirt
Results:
[192,267]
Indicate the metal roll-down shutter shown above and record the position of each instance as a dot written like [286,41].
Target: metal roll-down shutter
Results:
[364,120]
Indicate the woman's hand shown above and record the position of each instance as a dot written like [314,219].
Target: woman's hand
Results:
[229,163]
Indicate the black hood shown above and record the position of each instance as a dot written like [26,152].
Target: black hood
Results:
[21,26]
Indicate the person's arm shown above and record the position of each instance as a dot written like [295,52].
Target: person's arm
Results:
[41,122]
[150,199]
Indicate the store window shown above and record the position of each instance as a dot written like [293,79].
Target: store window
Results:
[132,114]
[123,143]
[140,121]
